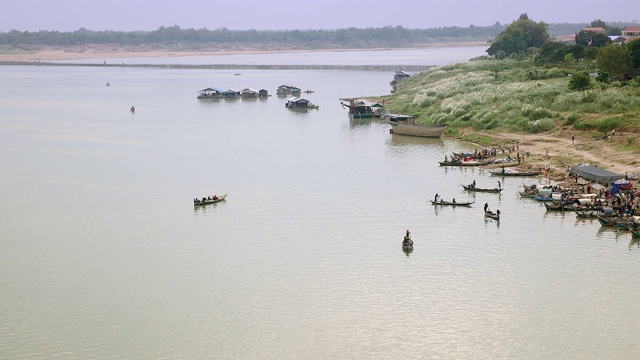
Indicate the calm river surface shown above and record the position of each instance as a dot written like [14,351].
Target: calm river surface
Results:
[104,256]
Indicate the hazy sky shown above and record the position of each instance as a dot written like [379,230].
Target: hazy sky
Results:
[128,15]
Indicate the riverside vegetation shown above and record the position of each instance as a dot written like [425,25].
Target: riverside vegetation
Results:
[488,102]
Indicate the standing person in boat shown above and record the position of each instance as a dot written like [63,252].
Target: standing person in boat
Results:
[474,184]
[486,207]
[435,199]
[498,212]
[408,236]
[133,109]
[499,185]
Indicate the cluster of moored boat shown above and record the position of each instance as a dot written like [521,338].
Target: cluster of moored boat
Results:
[612,210]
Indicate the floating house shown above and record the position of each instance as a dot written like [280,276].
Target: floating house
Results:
[210,93]
[288,89]
[263,93]
[299,103]
[400,75]
[359,108]
[248,93]
[231,93]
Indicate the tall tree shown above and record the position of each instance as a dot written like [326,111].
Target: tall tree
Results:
[615,60]
[521,35]
[634,51]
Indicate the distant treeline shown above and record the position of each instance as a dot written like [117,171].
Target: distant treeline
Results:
[387,36]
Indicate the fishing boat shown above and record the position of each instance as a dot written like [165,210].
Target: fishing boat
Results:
[457,162]
[490,214]
[451,203]
[473,188]
[587,214]
[503,172]
[406,125]
[607,221]
[559,206]
[407,243]
[209,200]
[635,233]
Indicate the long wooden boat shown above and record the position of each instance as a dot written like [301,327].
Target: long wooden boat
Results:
[205,201]
[635,234]
[559,206]
[500,172]
[463,163]
[473,188]
[525,194]
[607,221]
[406,125]
[492,215]
[451,203]
[587,214]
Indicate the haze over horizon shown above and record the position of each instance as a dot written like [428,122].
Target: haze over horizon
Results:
[148,15]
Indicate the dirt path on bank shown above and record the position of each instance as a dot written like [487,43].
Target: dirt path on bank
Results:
[559,151]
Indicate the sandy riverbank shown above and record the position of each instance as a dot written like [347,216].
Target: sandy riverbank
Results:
[558,151]
[52,53]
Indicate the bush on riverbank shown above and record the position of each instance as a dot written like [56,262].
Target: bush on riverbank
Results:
[516,96]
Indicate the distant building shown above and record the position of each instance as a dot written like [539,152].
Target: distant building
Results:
[597,30]
[567,39]
[617,39]
[631,33]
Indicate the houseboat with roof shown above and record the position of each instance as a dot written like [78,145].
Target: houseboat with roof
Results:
[210,93]
[359,109]
[299,103]
[288,90]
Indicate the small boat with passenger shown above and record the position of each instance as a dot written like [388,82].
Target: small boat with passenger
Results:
[407,243]
[209,200]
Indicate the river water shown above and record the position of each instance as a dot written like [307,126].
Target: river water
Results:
[104,256]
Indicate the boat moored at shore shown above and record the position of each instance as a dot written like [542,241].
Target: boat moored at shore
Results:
[406,125]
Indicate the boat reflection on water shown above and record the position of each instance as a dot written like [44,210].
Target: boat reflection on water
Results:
[402,140]
[407,250]
[355,121]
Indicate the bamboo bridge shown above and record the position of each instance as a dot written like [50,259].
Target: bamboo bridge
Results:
[412,68]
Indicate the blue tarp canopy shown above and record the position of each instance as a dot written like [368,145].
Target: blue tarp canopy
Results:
[212,89]
[596,174]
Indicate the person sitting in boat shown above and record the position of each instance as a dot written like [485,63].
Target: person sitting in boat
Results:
[215,197]
[133,109]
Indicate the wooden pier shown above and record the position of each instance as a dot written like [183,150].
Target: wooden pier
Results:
[410,68]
